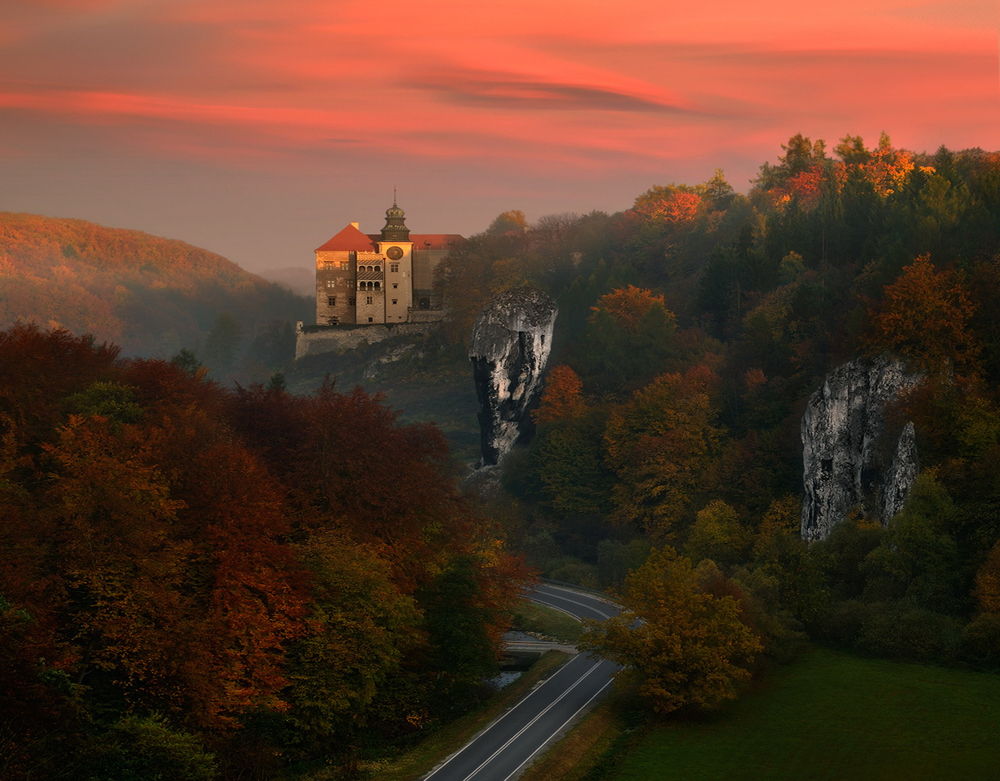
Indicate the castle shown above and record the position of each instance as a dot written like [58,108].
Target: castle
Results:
[380,278]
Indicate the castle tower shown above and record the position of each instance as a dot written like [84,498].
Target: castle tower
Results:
[397,248]
[395,223]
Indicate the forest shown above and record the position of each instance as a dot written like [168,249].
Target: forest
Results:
[692,329]
[202,582]
[206,582]
[151,296]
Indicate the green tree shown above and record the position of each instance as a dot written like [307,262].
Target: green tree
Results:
[566,457]
[917,559]
[718,534]
[661,444]
[683,642]
[363,627]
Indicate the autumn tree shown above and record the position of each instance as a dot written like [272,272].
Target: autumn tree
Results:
[661,445]
[630,337]
[717,534]
[562,397]
[673,204]
[924,316]
[629,305]
[512,221]
[683,644]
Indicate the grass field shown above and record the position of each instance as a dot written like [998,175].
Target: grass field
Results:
[531,617]
[831,716]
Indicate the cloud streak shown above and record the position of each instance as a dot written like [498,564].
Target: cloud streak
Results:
[503,91]
[634,92]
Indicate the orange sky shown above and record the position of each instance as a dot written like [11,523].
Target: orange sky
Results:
[258,128]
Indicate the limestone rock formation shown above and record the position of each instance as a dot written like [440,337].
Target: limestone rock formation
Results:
[841,431]
[510,346]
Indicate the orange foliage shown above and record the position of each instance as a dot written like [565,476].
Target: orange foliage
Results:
[671,205]
[629,305]
[562,397]
[805,187]
[152,554]
[924,316]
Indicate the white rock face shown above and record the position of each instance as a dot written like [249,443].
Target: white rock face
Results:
[510,347]
[841,427]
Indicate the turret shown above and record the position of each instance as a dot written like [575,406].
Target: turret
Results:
[395,224]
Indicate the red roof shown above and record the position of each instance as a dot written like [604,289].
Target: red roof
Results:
[352,239]
[349,239]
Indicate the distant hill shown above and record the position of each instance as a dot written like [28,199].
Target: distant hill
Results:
[150,295]
[298,279]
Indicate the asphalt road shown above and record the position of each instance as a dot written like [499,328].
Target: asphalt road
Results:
[504,749]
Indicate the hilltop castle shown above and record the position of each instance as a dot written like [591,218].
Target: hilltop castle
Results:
[380,278]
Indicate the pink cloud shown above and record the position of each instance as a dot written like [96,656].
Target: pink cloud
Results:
[630,90]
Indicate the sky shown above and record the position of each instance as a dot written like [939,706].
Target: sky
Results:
[258,128]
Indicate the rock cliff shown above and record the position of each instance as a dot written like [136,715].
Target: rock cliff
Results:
[510,346]
[843,467]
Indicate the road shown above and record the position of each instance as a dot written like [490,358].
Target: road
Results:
[504,749]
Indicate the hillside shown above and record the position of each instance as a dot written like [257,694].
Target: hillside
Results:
[151,295]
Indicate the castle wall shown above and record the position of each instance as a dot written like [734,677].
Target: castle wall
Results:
[315,340]
[335,297]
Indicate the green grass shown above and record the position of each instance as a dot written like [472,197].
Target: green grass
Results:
[422,758]
[837,717]
[531,617]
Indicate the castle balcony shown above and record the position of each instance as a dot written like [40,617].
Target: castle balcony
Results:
[370,274]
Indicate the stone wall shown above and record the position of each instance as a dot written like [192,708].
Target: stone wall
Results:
[315,340]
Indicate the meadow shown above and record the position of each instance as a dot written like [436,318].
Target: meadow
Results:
[832,716]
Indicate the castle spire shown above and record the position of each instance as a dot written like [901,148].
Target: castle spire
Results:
[395,222]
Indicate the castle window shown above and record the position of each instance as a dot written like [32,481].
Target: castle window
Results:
[394,267]
[395,285]
[371,319]
[331,300]
[331,283]
[378,285]
[327,264]
[345,265]
[394,301]
[368,300]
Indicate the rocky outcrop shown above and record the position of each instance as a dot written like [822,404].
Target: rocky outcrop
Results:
[842,430]
[510,346]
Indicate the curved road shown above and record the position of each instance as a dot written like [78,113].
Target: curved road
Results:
[505,748]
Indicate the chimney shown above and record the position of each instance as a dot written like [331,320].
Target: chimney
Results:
[356,225]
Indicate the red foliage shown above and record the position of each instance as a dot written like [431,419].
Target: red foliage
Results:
[562,397]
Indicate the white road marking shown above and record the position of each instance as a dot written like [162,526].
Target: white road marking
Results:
[538,688]
[562,726]
[523,729]
[535,597]
[576,602]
